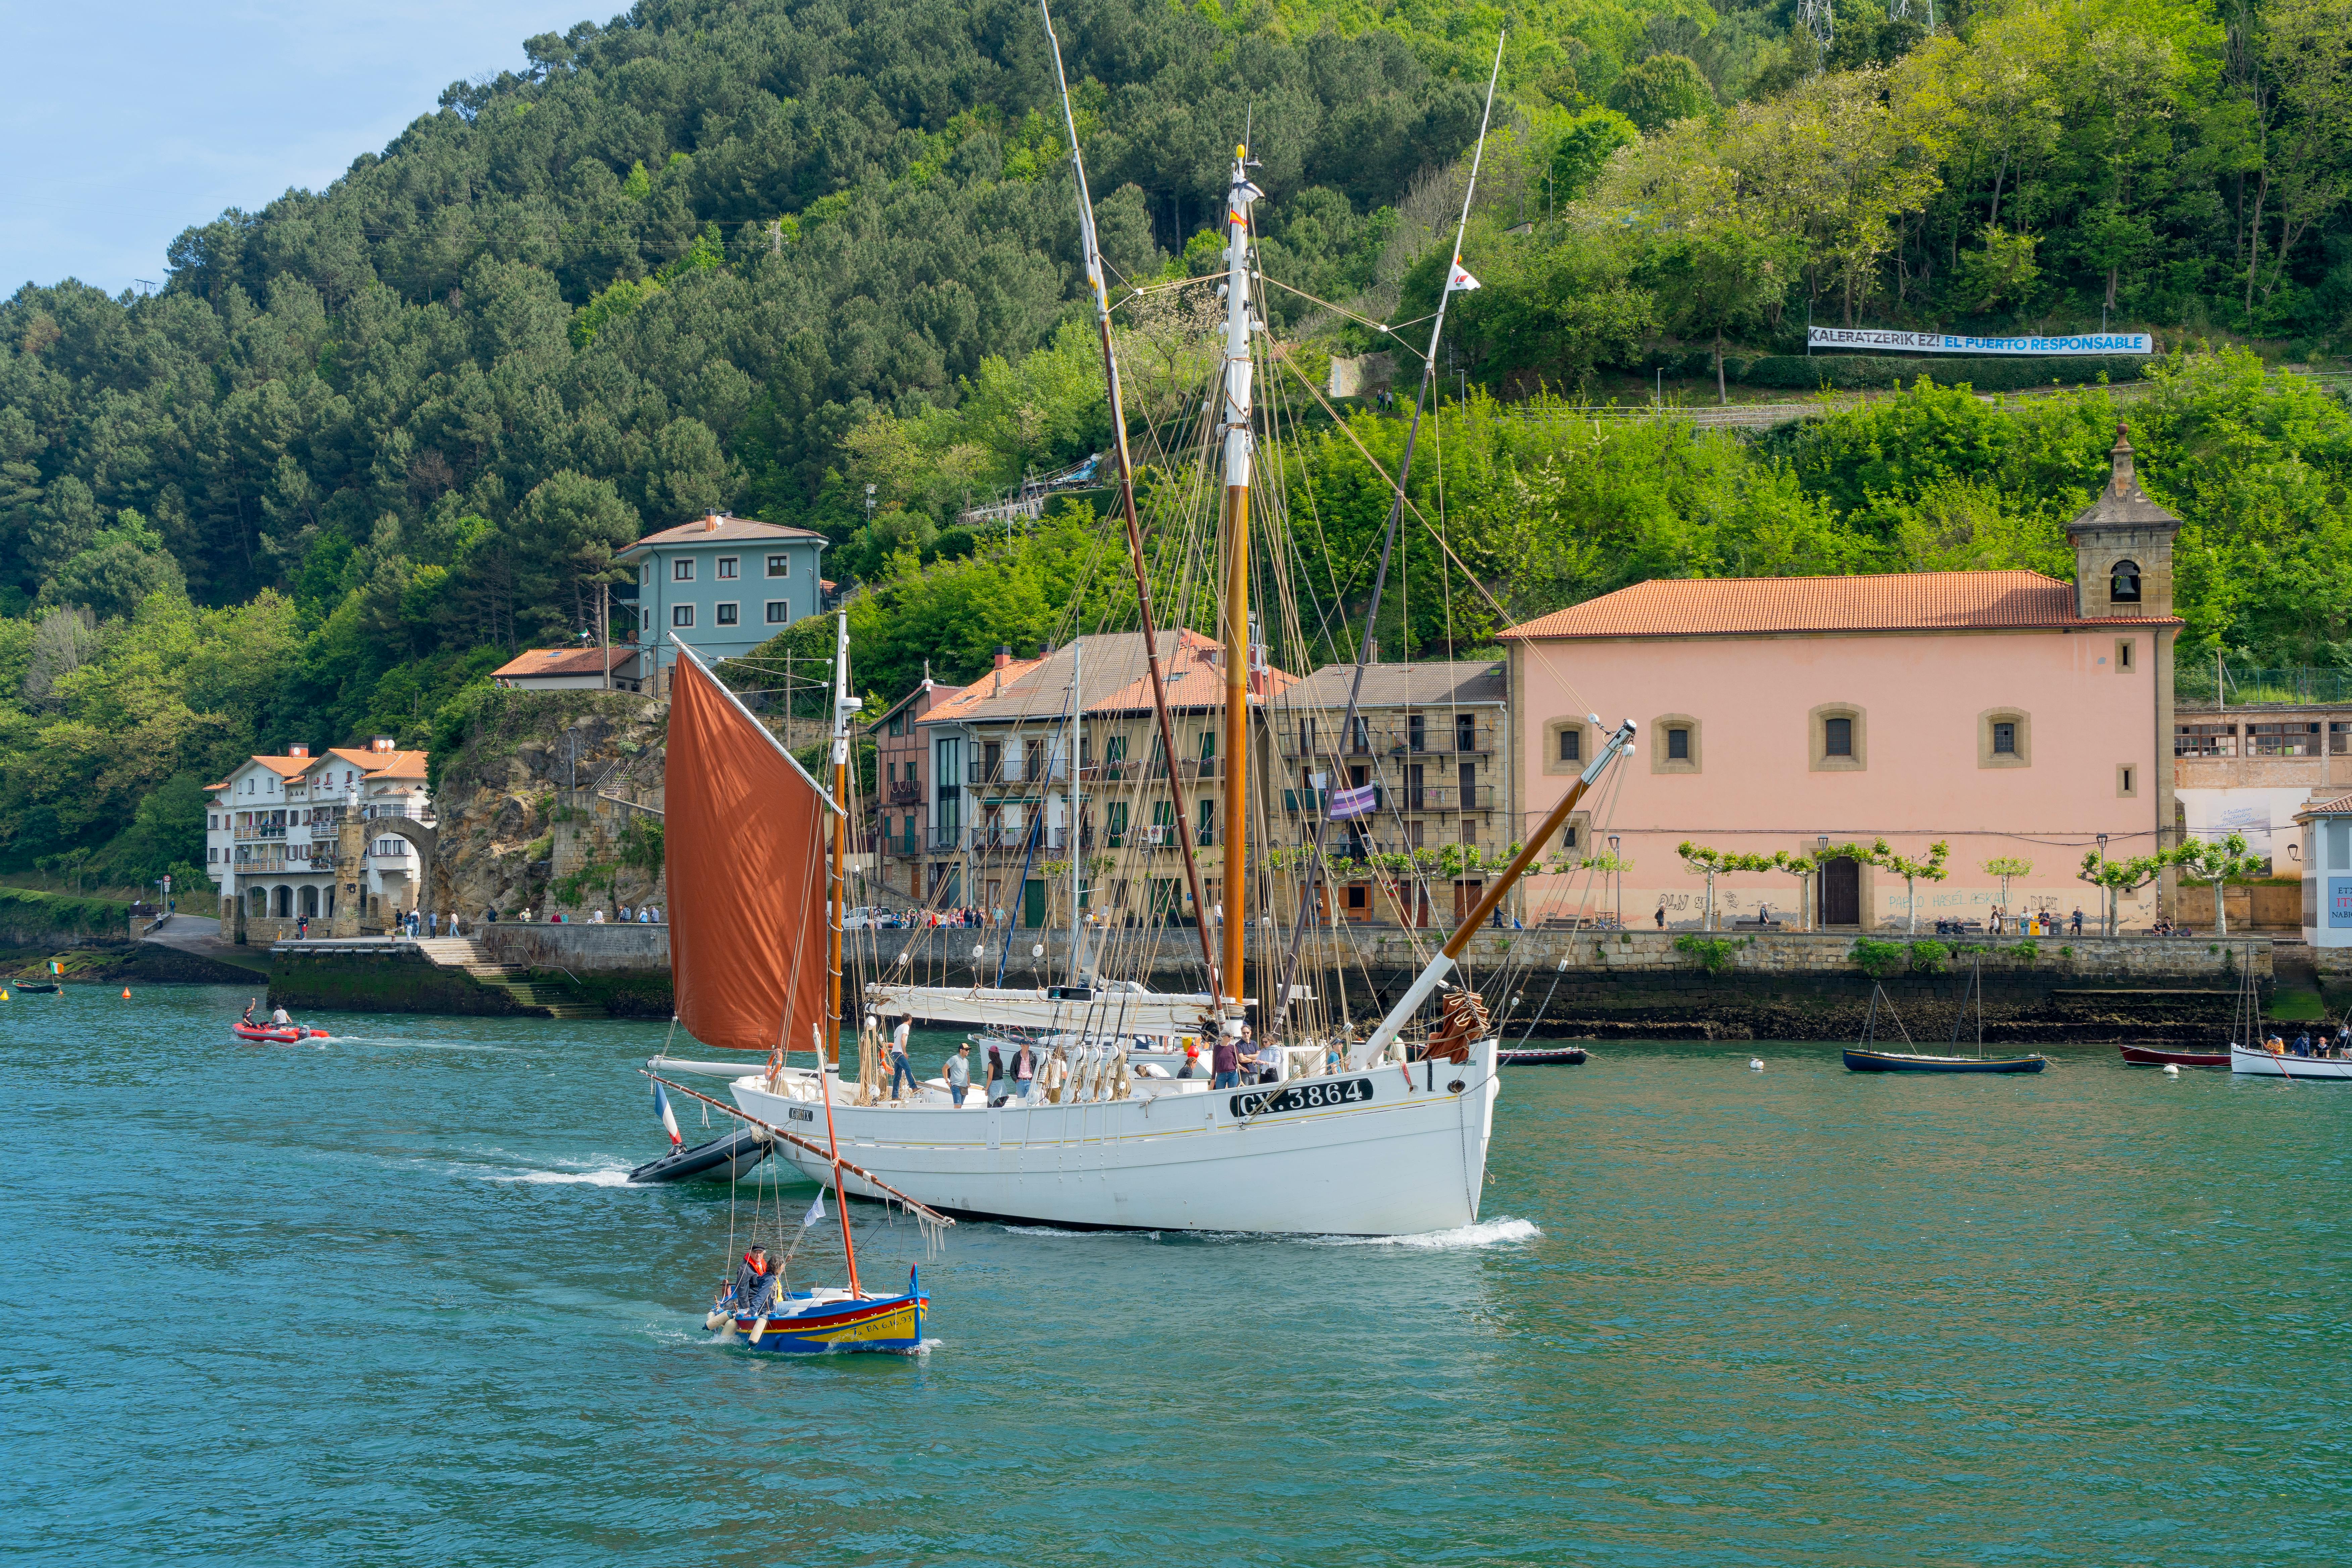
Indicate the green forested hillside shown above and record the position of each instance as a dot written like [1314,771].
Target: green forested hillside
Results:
[757,254]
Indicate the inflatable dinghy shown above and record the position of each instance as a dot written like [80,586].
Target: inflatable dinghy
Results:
[728,1155]
[262,1034]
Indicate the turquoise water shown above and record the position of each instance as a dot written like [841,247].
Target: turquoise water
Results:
[384,1302]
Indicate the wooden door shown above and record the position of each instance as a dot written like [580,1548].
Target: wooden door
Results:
[1842,893]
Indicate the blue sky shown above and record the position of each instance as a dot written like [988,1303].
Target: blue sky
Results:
[122,123]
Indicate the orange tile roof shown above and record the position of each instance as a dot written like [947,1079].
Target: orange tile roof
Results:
[2340,806]
[564,661]
[1897,601]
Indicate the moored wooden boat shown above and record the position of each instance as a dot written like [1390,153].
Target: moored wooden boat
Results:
[1858,1059]
[1547,1056]
[2158,1056]
[1866,1057]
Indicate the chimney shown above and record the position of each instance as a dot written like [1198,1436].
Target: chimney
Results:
[710,523]
[298,749]
[2122,481]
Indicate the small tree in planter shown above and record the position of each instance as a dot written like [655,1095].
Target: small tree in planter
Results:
[2217,861]
[2005,867]
[2121,877]
[1702,861]
[1912,872]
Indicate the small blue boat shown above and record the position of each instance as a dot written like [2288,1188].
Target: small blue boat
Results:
[814,1322]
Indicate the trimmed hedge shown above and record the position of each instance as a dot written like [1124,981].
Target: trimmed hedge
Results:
[29,910]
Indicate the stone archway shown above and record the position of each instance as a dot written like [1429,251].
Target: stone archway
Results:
[426,839]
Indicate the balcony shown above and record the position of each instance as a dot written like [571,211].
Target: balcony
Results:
[1449,797]
[250,834]
[943,839]
[1437,739]
[906,792]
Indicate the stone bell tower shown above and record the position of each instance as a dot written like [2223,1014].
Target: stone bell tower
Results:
[2123,572]
[2123,546]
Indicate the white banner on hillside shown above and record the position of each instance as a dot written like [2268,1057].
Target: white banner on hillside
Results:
[1867,340]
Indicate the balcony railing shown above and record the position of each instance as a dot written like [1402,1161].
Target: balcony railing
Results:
[946,838]
[1383,739]
[906,792]
[245,835]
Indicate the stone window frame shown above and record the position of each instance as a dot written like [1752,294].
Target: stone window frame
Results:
[2127,781]
[1552,766]
[2126,654]
[726,613]
[1817,738]
[731,569]
[1581,824]
[1662,763]
[2024,757]
[2139,577]
[780,564]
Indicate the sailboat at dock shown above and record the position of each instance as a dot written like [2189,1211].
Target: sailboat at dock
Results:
[1384,1133]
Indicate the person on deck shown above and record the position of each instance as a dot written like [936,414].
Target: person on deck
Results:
[1024,1071]
[899,1068]
[1226,1060]
[996,1071]
[959,1074]
[750,1275]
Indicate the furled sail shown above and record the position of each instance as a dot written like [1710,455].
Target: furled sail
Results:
[743,832]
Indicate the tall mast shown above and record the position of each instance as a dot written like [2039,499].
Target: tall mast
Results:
[843,707]
[1281,1011]
[1235,420]
[1071,842]
[1127,505]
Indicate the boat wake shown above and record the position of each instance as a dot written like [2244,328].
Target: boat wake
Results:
[612,1176]
[1461,1238]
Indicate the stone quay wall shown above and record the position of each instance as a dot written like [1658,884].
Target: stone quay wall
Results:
[1563,983]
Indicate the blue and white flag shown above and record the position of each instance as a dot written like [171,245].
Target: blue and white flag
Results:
[1351,803]
[661,1108]
[816,1211]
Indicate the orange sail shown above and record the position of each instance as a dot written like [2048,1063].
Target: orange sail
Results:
[744,845]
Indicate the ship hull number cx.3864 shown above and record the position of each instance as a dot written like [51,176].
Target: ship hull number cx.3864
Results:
[1317,1094]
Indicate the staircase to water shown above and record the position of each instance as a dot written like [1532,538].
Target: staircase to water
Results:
[556,1001]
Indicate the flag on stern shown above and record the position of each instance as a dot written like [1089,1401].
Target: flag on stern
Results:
[669,1123]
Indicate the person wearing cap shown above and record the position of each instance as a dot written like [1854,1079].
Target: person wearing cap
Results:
[959,1074]
[1192,1060]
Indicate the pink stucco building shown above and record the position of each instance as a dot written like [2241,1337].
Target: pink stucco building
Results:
[2008,713]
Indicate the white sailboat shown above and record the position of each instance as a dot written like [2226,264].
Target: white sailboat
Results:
[1374,1144]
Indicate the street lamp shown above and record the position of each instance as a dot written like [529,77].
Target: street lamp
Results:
[1617,868]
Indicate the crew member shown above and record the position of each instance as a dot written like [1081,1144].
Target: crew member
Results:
[899,1068]
[749,1277]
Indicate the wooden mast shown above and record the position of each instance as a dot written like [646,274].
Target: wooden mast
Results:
[1235,419]
[828,1058]
[1127,507]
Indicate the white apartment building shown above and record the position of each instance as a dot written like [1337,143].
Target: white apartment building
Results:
[271,829]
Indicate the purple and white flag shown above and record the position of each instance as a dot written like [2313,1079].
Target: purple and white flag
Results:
[1351,803]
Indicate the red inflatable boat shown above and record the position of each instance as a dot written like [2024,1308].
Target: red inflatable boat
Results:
[262,1034]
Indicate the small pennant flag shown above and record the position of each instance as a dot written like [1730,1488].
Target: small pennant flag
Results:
[1351,803]
[816,1211]
[669,1123]
[1461,280]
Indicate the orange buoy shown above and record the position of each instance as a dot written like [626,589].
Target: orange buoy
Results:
[126,993]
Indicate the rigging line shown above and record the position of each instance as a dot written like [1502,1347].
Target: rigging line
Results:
[1535,649]
[1343,311]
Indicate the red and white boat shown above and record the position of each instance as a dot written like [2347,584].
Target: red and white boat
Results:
[265,1034]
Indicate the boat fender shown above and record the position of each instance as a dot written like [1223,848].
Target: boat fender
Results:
[1455,1086]
[2172,1070]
